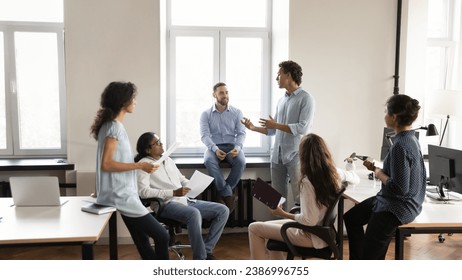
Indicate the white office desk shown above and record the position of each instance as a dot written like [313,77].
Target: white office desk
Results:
[59,225]
[436,216]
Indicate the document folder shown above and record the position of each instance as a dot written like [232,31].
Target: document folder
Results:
[265,193]
[97,209]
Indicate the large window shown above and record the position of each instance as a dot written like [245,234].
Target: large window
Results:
[211,41]
[444,60]
[32,97]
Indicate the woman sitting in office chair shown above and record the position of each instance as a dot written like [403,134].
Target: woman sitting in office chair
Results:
[403,180]
[170,185]
[319,185]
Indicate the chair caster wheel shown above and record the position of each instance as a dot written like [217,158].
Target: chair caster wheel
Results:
[441,238]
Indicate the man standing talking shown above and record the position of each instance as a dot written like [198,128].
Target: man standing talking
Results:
[223,134]
[293,119]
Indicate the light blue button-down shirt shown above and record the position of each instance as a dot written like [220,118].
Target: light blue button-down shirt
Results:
[222,128]
[118,189]
[296,111]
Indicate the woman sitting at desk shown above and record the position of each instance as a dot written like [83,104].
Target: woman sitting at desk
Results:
[403,180]
[319,184]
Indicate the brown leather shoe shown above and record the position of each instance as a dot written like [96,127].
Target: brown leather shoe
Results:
[230,202]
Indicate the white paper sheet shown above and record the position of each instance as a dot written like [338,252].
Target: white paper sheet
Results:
[168,153]
[198,183]
[283,199]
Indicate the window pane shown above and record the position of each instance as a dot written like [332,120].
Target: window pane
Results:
[2,95]
[193,84]
[436,67]
[438,18]
[31,10]
[229,13]
[38,90]
[244,80]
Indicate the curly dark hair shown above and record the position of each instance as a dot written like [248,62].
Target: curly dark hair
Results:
[317,164]
[404,107]
[142,145]
[115,96]
[294,69]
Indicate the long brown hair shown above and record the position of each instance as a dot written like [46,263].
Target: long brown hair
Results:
[317,165]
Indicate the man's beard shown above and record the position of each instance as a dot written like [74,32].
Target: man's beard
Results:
[223,102]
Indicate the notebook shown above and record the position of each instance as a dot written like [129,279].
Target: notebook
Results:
[97,208]
[36,191]
[265,193]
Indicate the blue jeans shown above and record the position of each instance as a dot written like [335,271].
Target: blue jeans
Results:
[212,163]
[192,215]
[141,229]
[282,173]
[381,226]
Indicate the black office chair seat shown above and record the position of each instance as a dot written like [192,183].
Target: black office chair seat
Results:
[326,232]
[303,252]
[173,227]
[324,253]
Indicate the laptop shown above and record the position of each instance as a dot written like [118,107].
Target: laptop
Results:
[36,191]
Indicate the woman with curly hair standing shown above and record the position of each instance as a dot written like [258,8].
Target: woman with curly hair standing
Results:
[115,171]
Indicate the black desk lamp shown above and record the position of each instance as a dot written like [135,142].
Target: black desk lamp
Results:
[431,131]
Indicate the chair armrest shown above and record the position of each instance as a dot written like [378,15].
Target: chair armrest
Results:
[327,234]
[295,209]
[147,202]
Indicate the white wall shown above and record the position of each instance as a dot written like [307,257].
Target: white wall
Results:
[346,49]
[108,40]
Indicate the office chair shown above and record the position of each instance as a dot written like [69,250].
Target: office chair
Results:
[173,227]
[326,232]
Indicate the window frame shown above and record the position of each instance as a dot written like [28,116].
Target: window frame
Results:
[11,99]
[219,34]
[452,46]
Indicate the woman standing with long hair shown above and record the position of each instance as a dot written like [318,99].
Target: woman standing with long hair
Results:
[115,171]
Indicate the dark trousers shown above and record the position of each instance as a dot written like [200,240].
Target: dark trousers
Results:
[141,229]
[381,226]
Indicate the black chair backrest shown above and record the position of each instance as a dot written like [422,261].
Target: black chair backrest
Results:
[331,213]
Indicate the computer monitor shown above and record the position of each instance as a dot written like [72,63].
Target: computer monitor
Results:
[445,166]
[387,141]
